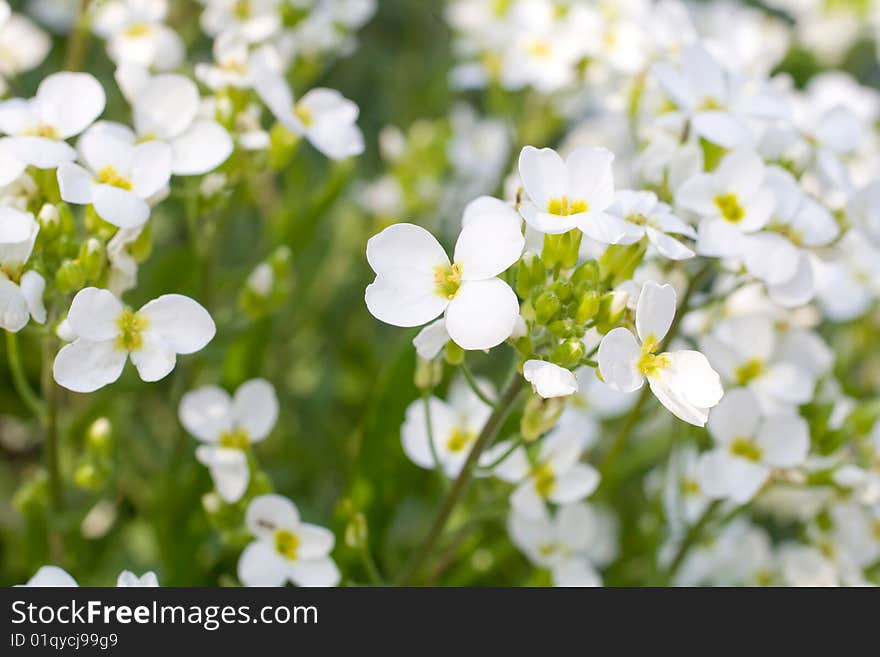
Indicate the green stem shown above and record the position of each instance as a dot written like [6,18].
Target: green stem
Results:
[690,539]
[19,379]
[79,39]
[370,566]
[475,386]
[459,486]
[426,399]
[50,394]
[514,444]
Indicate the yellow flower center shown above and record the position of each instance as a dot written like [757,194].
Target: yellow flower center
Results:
[447,280]
[563,207]
[131,327]
[875,529]
[745,448]
[137,30]
[709,104]
[286,543]
[235,439]
[304,114]
[548,549]
[42,130]
[749,371]
[650,363]
[730,208]
[540,49]
[690,486]
[637,219]
[109,176]
[793,235]
[242,9]
[545,479]
[459,440]
[500,7]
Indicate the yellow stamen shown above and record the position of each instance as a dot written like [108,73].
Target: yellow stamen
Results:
[447,280]
[563,207]
[749,371]
[540,49]
[650,363]
[545,479]
[236,439]
[286,543]
[459,440]
[131,326]
[304,114]
[137,30]
[709,104]
[745,448]
[730,208]
[109,176]
[42,130]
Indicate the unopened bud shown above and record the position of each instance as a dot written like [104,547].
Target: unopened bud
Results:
[569,353]
[93,258]
[546,306]
[70,277]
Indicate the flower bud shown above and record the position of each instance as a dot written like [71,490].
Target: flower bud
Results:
[428,373]
[142,246]
[282,145]
[99,436]
[356,531]
[88,476]
[562,328]
[611,309]
[530,274]
[70,277]
[546,306]
[619,262]
[563,290]
[586,275]
[93,258]
[50,220]
[454,354]
[569,353]
[588,307]
[540,416]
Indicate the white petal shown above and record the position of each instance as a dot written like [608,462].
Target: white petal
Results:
[697,194]
[512,469]
[183,324]
[618,356]
[655,310]
[206,413]
[719,239]
[799,289]
[526,501]
[402,301]
[690,373]
[758,211]
[741,172]
[549,380]
[40,152]
[255,408]
[75,183]
[94,314]
[165,106]
[482,314]
[575,484]
[84,366]
[70,102]
[487,246]
[668,247]
[736,416]
[314,541]
[414,432]
[487,206]
[784,441]
[575,571]
[11,167]
[723,475]
[203,147]
[787,383]
[150,168]
[405,249]
[676,404]
[590,176]
[119,207]
[155,359]
[551,224]
[32,287]
[266,513]
[576,526]
[431,339]
[51,576]
[770,257]
[608,229]
[722,128]
[815,224]
[229,470]
[543,174]
[261,565]
[14,313]
[315,572]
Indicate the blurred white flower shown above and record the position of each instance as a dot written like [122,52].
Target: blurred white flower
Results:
[21,292]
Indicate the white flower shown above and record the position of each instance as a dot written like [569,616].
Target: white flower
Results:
[65,105]
[455,425]
[573,193]
[120,177]
[731,200]
[135,33]
[431,340]
[285,548]
[166,108]
[416,282]
[715,102]
[748,447]
[129,579]
[251,20]
[549,380]
[228,426]
[654,219]
[781,370]
[804,565]
[107,333]
[683,381]
[563,544]
[51,576]
[23,44]
[21,292]
[323,116]
[558,476]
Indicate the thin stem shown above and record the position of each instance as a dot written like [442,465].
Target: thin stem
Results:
[19,379]
[514,444]
[459,486]
[690,539]
[370,566]
[79,39]
[429,427]
[51,446]
[475,386]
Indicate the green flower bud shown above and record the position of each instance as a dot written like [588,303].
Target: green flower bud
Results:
[428,373]
[142,246]
[569,248]
[32,497]
[562,328]
[619,262]
[99,436]
[97,226]
[356,531]
[586,275]
[540,416]
[282,146]
[93,258]
[611,310]
[712,154]
[588,307]
[70,277]
[546,306]
[530,274]
[569,353]
[87,476]
[50,220]
[454,354]
[563,290]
